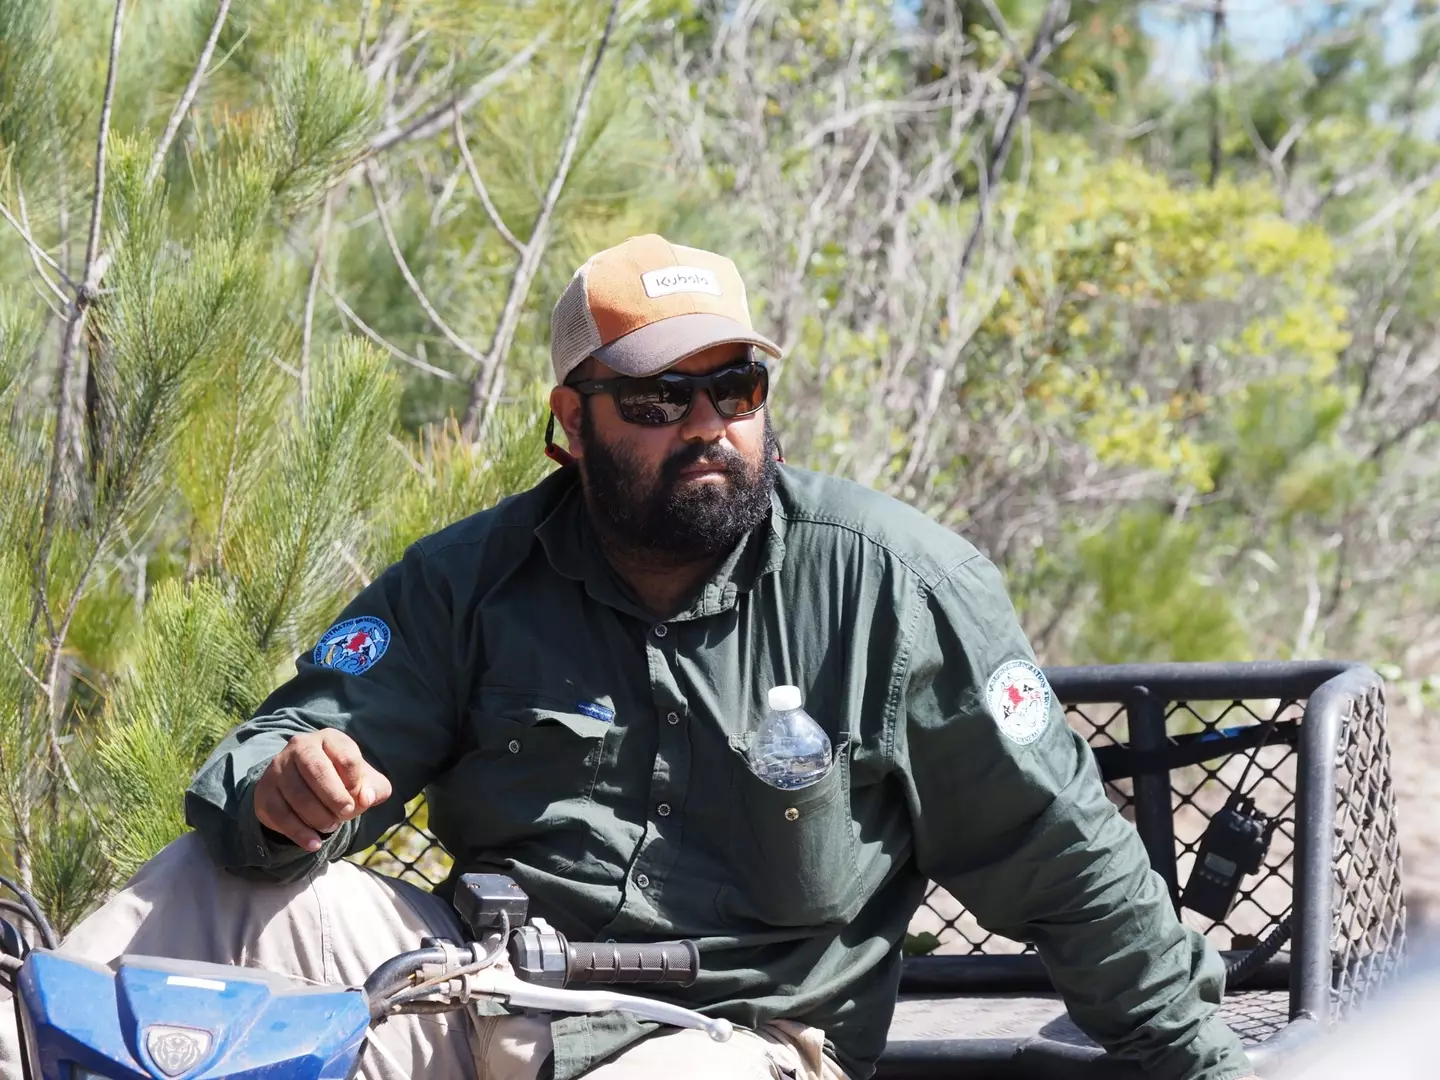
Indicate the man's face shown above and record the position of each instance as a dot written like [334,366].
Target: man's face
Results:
[685,490]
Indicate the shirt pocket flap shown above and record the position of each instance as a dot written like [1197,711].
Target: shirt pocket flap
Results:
[506,716]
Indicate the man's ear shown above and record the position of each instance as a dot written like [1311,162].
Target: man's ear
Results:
[565,403]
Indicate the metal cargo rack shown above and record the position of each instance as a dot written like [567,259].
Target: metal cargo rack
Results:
[1172,741]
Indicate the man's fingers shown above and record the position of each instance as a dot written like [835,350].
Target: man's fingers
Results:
[374,789]
[313,766]
[302,800]
[319,780]
[274,813]
[350,765]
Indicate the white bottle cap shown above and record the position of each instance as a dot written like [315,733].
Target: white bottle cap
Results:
[784,698]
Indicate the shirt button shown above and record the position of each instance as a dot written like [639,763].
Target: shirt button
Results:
[663,809]
[673,718]
[661,630]
[643,880]
[514,746]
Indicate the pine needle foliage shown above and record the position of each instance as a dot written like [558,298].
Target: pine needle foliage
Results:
[193,671]
[27,52]
[288,556]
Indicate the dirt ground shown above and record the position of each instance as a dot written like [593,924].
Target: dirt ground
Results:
[1415,756]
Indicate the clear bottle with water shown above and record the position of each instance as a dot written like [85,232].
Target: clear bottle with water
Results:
[790,750]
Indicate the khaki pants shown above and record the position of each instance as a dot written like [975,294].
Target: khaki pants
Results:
[342,922]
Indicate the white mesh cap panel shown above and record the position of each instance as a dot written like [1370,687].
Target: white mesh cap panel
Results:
[573,333]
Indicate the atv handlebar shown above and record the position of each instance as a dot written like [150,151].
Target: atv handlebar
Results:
[542,965]
[593,962]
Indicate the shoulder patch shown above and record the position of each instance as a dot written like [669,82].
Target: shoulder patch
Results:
[1019,700]
[353,646]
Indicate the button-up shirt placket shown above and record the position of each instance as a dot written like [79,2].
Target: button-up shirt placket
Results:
[659,846]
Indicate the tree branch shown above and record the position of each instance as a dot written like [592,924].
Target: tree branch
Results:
[1044,41]
[309,325]
[38,255]
[486,380]
[1217,77]
[437,119]
[177,117]
[85,296]
[392,349]
[482,191]
[419,293]
[1409,194]
[21,664]
[57,757]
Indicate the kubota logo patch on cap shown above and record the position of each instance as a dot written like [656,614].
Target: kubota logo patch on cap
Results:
[677,279]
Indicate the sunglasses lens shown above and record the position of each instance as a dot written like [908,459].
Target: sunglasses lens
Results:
[741,391]
[654,401]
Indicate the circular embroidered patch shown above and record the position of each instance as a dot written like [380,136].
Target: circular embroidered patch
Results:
[353,646]
[1019,700]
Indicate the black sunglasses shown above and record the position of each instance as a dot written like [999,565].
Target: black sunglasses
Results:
[735,390]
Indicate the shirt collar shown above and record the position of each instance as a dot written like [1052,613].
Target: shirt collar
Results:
[568,539]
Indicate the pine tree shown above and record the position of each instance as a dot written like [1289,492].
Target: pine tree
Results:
[206,455]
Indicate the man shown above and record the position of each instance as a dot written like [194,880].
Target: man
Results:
[574,677]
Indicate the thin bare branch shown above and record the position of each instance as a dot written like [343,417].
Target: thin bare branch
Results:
[348,558]
[1045,39]
[482,191]
[28,671]
[177,117]
[38,256]
[1404,198]
[419,293]
[485,382]
[439,118]
[320,235]
[919,105]
[57,757]
[1217,82]
[85,296]
[393,349]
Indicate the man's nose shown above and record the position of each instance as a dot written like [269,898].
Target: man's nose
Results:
[704,423]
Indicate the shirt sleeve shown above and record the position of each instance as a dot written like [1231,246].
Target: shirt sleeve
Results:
[1012,819]
[400,710]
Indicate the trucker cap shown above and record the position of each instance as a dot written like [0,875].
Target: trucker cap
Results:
[646,304]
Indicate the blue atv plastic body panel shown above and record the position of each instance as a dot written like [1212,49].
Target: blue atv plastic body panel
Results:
[158,1019]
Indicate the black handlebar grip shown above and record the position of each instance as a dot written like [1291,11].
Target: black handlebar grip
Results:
[601,962]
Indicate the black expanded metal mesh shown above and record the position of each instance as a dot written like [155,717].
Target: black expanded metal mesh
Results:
[1369,928]
[1368,940]
[408,851]
[1197,793]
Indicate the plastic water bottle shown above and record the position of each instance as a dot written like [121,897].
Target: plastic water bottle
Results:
[790,750]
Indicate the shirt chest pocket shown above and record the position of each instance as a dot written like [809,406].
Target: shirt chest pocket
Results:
[792,853]
[536,760]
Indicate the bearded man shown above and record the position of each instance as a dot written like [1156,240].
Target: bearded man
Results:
[574,678]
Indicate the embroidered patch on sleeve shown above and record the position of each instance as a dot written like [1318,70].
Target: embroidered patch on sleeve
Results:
[1019,700]
[353,646]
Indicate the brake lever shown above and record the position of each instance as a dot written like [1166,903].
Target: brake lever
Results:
[502,983]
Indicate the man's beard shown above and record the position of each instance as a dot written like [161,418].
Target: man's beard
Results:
[660,519]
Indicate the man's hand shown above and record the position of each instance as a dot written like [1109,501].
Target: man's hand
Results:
[319,780]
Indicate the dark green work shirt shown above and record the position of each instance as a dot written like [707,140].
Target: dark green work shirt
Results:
[597,755]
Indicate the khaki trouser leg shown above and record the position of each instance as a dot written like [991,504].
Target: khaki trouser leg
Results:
[334,927]
[514,1048]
